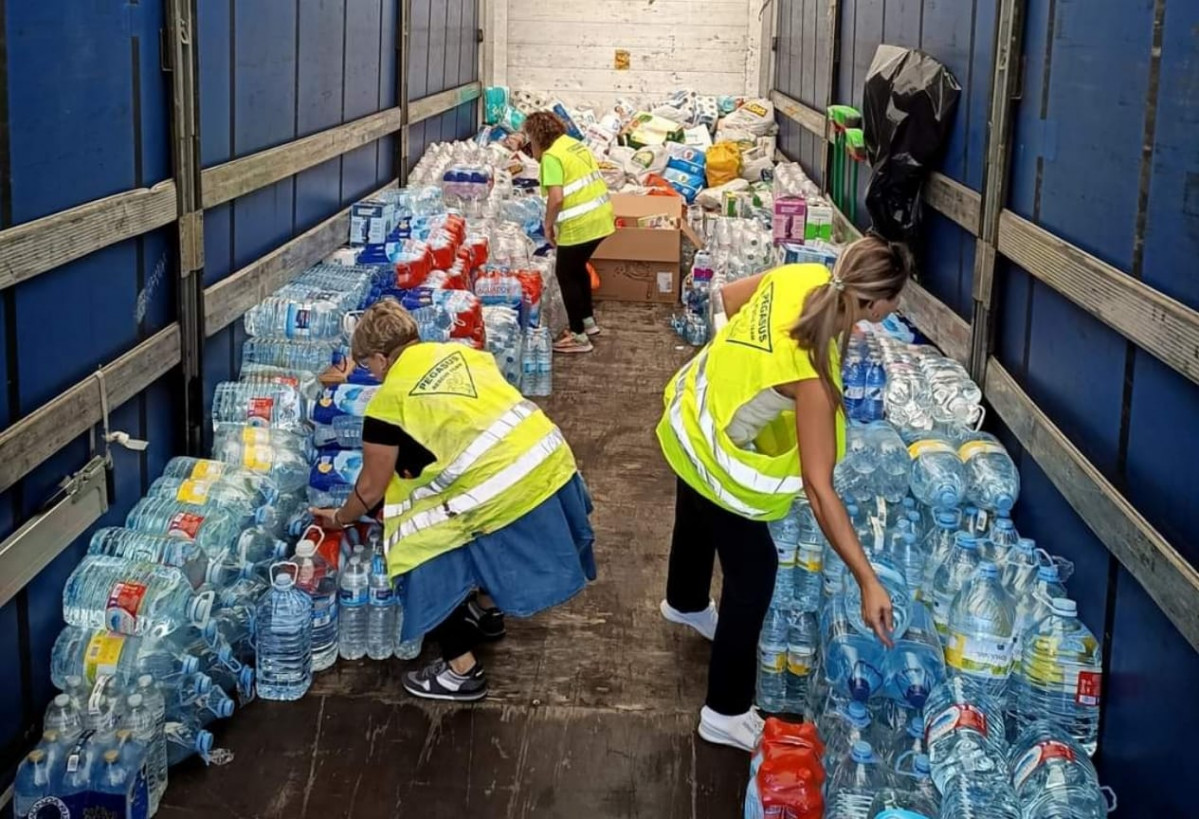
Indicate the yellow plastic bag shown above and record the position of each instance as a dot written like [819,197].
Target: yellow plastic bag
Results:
[723,163]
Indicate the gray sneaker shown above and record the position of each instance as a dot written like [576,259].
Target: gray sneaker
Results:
[437,681]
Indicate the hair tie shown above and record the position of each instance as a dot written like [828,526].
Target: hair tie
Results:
[837,282]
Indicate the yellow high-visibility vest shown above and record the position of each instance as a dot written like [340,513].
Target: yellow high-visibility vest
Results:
[586,210]
[498,455]
[752,353]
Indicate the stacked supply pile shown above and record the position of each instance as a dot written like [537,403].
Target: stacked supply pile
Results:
[786,773]
[988,699]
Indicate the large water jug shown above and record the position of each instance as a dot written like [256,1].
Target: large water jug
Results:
[992,480]
[982,623]
[772,676]
[185,740]
[964,732]
[265,405]
[315,318]
[1020,570]
[892,579]
[258,450]
[851,723]
[216,494]
[904,746]
[1060,675]
[853,661]
[214,530]
[131,545]
[305,356]
[937,477]
[1001,538]
[141,599]
[1034,604]
[938,545]
[318,579]
[912,797]
[852,789]
[952,575]
[909,556]
[91,653]
[915,665]
[352,602]
[974,796]
[284,624]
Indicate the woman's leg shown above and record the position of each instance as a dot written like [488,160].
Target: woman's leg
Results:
[457,675]
[571,270]
[692,553]
[587,251]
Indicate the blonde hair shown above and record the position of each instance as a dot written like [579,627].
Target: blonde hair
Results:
[869,270]
[543,129]
[384,328]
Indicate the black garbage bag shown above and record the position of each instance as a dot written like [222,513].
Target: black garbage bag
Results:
[907,110]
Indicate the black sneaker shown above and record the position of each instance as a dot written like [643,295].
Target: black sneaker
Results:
[437,681]
[489,622]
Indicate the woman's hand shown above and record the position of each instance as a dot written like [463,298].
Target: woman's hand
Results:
[876,609]
[327,518]
[548,229]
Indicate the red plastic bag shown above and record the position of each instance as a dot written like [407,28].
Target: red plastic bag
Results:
[595,279]
[801,734]
[789,784]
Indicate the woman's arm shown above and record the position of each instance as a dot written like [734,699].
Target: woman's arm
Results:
[553,206]
[815,427]
[734,295]
[378,463]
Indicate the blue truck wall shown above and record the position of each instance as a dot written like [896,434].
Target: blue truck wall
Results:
[85,113]
[1092,94]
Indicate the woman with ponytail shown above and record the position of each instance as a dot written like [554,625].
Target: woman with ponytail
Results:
[752,422]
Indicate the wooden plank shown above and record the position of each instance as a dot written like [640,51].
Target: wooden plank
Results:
[806,116]
[32,248]
[29,442]
[666,57]
[1162,326]
[1164,574]
[422,109]
[947,329]
[663,15]
[230,180]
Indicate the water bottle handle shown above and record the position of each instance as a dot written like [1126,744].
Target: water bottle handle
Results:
[982,415]
[1109,796]
[899,763]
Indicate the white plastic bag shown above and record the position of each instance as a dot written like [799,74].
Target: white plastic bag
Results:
[755,116]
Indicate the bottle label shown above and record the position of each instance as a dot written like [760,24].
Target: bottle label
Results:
[382,597]
[773,660]
[801,660]
[941,605]
[256,458]
[979,656]
[971,448]
[124,600]
[207,470]
[1089,688]
[811,560]
[255,436]
[954,718]
[352,598]
[191,491]
[1038,755]
[921,447]
[299,319]
[260,409]
[324,610]
[103,654]
[185,525]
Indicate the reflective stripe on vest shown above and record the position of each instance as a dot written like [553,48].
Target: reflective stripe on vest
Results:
[582,210]
[466,459]
[580,183]
[746,476]
[485,492]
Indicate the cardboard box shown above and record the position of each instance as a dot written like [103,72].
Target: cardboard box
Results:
[641,264]
[790,219]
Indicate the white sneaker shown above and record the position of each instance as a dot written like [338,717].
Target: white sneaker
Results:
[741,731]
[702,621]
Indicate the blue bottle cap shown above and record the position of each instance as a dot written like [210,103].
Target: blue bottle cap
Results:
[1049,573]
[965,540]
[988,570]
[862,752]
[947,518]
[921,765]
[1004,522]
[858,714]
[916,727]
[1004,503]
[203,743]
[190,665]
[947,498]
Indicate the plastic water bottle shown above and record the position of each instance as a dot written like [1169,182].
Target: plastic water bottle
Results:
[156,753]
[381,606]
[124,785]
[1020,571]
[88,653]
[808,574]
[1052,775]
[1060,675]
[982,623]
[282,317]
[938,546]
[214,530]
[876,385]
[851,723]
[854,380]
[185,555]
[36,788]
[964,732]
[318,579]
[909,556]
[853,661]
[905,745]
[951,576]
[141,599]
[992,480]
[772,676]
[803,640]
[352,609]
[916,663]
[258,490]
[937,478]
[986,797]
[268,452]
[306,356]
[404,649]
[185,740]
[145,727]
[284,622]
[263,405]
[1036,603]
[913,796]
[1000,540]
[853,786]
[892,579]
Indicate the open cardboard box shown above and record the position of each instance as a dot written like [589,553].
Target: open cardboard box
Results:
[642,264]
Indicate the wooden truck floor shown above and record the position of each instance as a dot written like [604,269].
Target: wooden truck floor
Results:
[592,706]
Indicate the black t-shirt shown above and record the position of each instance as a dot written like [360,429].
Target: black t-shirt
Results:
[411,459]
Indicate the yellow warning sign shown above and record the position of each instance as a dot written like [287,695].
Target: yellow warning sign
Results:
[449,376]
[751,326]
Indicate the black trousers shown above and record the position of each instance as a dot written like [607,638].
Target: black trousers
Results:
[575,281]
[455,635]
[749,563]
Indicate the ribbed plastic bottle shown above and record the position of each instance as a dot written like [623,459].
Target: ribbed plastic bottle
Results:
[318,579]
[915,665]
[853,661]
[274,454]
[141,721]
[912,795]
[352,605]
[185,740]
[309,356]
[141,599]
[282,317]
[975,796]
[381,605]
[937,477]
[1036,603]
[156,754]
[992,480]
[1000,540]
[852,723]
[284,623]
[938,545]
[63,717]
[267,405]
[982,623]
[964,732]
[88,653]
[855,783]
[954,573]
[213,529]
[891,577]
[1052,775]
